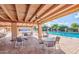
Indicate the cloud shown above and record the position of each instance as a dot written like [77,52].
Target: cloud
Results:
[77,15]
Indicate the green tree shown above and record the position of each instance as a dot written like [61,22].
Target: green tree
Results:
[63,28]
[44,28]
[55,27]
[75,27]
[35,28]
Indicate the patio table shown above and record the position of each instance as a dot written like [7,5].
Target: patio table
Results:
[50,42]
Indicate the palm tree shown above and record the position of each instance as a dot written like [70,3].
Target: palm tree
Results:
[63,28]
[55,27]
[44,28]
[75,27]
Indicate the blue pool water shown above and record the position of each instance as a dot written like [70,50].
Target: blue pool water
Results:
[66,34]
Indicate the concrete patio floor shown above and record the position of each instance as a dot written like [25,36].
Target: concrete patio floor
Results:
[30,46]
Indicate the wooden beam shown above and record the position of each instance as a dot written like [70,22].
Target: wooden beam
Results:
[17,25]
[47,9]
[7,12]
[4,26]
[17,12]
[38,9]
[21,10]
[32,9]
[24,24]
[28,6]
[27,9]
[52,11]
[62,13]
[4,18]
[56,13]
[57,10]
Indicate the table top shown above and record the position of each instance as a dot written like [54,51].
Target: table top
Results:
[50,39]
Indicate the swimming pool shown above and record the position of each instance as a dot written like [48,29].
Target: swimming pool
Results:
[66,34]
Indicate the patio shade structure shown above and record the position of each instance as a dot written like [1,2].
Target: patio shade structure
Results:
[32,14]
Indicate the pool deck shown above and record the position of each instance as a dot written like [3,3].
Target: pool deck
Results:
[70,45]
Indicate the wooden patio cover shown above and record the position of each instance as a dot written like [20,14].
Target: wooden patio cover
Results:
[35,13]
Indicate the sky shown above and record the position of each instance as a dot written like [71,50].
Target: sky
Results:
[66,20]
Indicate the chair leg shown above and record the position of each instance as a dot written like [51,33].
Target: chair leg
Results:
[54,49]
[45,50]
[58,46]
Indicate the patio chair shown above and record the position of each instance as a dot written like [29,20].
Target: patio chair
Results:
[57,42]
[46,45]
[45,34]
[19,42]
[57,39]
[13,42]
[50,46]
[25,36]
[2,35]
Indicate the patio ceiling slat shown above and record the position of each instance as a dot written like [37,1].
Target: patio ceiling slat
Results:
[3,20]
[51,12]
[31,11]
[28,6]
[20,10]
[39,8]
[62,13]
[7,12]
[45,10]
[3,16]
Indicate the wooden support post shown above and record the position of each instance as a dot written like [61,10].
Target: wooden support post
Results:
[14,31]
[40,33]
